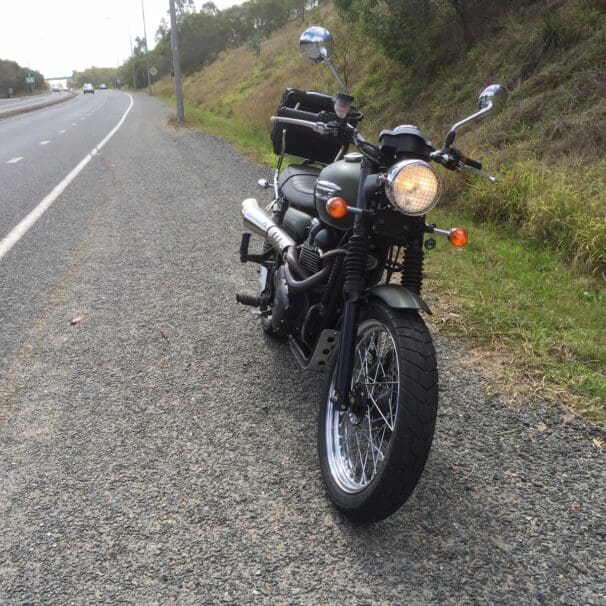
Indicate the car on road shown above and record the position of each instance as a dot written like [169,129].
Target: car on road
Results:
[56,88]
[102,86]
[88,88]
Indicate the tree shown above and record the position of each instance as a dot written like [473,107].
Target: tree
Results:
[163,30]
[184,6]
[140,46]
[210,8]
[12,75]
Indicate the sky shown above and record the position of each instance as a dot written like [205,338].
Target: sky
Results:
[56,37]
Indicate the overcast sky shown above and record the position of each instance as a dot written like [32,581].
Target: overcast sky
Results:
[56,37]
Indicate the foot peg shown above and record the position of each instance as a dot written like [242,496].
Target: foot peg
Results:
[248,300]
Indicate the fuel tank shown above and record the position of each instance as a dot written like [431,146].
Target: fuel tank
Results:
[340,179]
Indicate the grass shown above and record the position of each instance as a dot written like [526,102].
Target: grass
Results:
[545,321]
[530,287]
[555,208]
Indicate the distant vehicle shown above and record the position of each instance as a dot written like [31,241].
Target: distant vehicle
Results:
[88,88]
[103,86]
[56,88]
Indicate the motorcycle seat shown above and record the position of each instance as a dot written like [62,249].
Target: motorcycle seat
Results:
[297,185]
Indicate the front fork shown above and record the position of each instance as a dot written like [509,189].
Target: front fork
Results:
[353,294]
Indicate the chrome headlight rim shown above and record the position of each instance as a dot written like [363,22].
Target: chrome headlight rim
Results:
[390,180]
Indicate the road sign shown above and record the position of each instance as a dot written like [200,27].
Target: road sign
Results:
[153,71]
[30,79]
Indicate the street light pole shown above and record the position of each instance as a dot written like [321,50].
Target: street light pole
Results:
[146,51]
[174,41]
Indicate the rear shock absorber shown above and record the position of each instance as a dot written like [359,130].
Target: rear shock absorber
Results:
[412,267]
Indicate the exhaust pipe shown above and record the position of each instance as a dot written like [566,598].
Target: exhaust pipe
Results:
[256,220]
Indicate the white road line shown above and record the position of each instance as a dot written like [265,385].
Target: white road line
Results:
[62,131]
[81,118]
[15,160]
[21,228]
[44,142]
[74,124]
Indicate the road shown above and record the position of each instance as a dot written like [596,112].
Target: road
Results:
[9,106]
[38,151]
[159,451]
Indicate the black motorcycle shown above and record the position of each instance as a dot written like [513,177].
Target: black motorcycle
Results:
[341,271]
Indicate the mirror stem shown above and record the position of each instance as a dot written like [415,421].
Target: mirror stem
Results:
[451,134]
[336,75]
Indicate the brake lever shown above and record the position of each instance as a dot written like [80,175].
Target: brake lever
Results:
[463,168]
[452,159]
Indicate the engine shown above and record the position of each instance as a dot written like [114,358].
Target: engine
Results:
[291,310]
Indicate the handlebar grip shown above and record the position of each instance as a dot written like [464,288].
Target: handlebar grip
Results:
[471,163]
[287,112]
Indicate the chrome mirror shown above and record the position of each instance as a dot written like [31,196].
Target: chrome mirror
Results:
[492,96]
[316,44]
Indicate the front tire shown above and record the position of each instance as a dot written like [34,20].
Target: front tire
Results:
[373,454]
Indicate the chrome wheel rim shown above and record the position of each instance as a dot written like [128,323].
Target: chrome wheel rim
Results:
[357,440]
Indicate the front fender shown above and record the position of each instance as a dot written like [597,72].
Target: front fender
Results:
[398,297]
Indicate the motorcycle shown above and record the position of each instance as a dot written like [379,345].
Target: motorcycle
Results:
[341,228]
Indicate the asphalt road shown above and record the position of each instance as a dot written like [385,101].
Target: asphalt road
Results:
[9,106]
[37,151]
[161,452]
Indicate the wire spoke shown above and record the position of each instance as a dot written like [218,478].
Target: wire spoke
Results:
[381,413]
[361,436]
[362,468]
[381,383]
[374,460]
[382,438]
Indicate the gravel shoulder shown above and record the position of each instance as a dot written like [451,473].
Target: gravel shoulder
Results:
[162,452]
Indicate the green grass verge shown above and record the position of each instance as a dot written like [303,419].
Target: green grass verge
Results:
[546,322]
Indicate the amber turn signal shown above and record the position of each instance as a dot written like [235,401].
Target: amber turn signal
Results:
[458,237]
[336,208]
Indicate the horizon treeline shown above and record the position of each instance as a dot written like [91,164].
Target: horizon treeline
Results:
[203,34]
[12,75]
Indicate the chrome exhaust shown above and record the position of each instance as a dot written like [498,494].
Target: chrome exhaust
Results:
[256,220]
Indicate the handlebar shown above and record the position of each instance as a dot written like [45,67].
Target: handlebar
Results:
[299,114]
[449,157]
[319,127]
[332,128]
[471,163]
[453,159]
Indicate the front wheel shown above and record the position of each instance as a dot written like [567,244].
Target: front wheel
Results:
[373,454]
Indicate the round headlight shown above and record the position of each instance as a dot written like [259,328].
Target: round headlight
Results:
[412,187]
